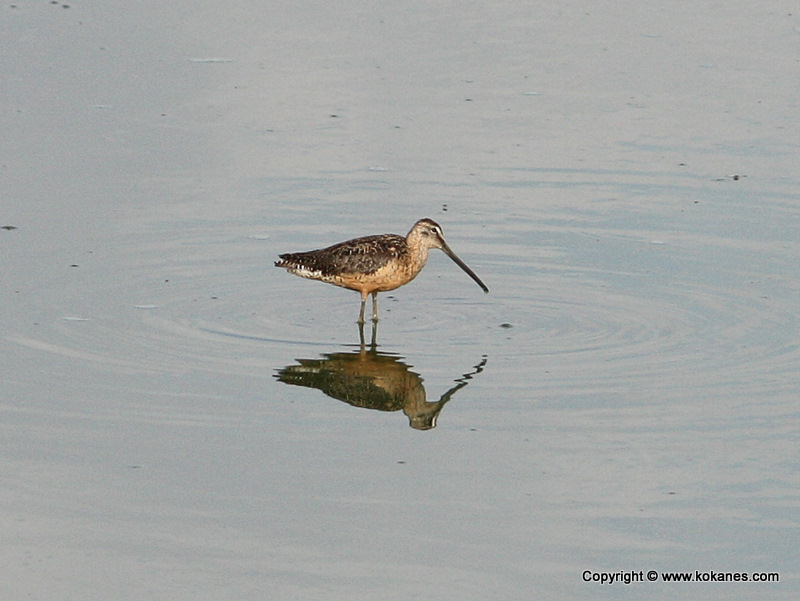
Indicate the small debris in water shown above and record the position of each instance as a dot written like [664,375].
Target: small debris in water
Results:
[67,318]
[145,306]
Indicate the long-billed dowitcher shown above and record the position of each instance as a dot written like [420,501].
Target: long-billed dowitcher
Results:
[374,264]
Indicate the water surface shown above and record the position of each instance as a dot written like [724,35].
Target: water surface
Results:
[179,420]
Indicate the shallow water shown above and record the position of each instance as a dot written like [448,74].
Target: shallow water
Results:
[183,420]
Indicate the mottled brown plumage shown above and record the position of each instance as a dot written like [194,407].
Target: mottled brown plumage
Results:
[361,255]
[374,264]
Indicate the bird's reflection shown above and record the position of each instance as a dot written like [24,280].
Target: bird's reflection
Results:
[373,380]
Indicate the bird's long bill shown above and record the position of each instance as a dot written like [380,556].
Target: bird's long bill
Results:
[462,265]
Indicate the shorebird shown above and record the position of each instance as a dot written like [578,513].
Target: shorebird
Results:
[374,264]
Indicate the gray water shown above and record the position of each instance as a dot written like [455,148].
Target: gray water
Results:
[182,420]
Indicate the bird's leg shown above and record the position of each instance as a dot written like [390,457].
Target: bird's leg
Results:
[374,306]
[361,336]
[363,305]
[374,342]
[361,315]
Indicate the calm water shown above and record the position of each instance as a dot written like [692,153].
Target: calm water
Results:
[182,420]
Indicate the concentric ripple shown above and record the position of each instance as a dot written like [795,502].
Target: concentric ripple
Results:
[611,302]
[688,338]
[693,314]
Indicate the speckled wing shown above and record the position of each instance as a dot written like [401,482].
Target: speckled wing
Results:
[359,256]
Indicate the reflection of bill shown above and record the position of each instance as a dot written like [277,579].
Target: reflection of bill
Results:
[373,380]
